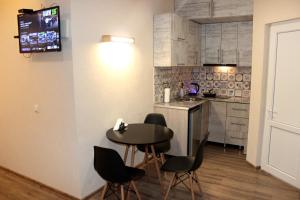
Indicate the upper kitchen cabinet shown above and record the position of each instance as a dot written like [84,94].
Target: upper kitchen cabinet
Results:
[213,34]
[245,44]
[228,53]
[227,43]
[221,43]
[176,41]
[193,9]
[210,11]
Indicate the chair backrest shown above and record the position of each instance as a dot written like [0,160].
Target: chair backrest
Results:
[155,118]
[109,164]
[199,155]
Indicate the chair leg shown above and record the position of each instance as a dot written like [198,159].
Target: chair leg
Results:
[132,155]
[156,163]
[162,158]
[170,186]
[136,190]
[146,155]
[191,184]
[198,183]
[103,192]
[128,191]
[122,192]
[126,154]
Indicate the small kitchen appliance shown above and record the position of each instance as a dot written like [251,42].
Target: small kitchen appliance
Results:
[194,89]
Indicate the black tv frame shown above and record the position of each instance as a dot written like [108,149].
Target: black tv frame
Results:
[59,29]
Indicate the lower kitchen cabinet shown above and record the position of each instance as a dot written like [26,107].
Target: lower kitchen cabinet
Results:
[236,131]
[217,121]
[177,120]
[189,126]
[228,123]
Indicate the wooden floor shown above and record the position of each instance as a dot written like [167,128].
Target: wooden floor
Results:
[223,175]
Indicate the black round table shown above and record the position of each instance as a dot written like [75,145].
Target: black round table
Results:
[141,134]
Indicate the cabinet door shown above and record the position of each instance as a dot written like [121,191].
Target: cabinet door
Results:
[212,43]
[244,7]
[162,40]
[224,8]
[179,27]
[193,9]
[232,8]
[229,43]
[217,122]
[193,44]
[179,53]
[245,44]
[238,110]
[236,131]
[177,120]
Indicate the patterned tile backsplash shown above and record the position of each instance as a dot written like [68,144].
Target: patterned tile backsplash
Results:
[227,81]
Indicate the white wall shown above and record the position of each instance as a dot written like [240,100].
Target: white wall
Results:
[41,146]
[81,91]
[105,87]
[265,12]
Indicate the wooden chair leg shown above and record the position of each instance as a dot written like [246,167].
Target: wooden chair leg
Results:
[122,193]
[170,186]
[103,192]
[126,154]
[136,190]
[162,158]
[156,163]
[128,192]
[146,156]
[132,155]
[198,183]
[191,184]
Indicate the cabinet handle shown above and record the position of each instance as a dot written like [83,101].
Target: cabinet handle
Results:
[178,38]
[237,57]
[211,10]
[239,109]
[222,56]
[232,123]
[218,55]
[180,64]
[237,138]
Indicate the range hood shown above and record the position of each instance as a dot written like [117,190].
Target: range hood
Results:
[219,65]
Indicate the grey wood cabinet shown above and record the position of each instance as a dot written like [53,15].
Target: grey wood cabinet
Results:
[230,10]
[177,120]
[193,9]
[227,43]
[189,127]
[217,121]
[213,38]
[176,41]
[228,123]
[245,43]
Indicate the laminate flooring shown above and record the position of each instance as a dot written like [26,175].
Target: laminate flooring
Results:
[224,175]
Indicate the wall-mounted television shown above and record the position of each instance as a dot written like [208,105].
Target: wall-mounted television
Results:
[39,31]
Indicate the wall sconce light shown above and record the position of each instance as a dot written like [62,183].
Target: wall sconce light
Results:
[110,38]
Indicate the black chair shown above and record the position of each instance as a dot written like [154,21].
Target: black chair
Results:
[159,119]
[184,167]
[110,166]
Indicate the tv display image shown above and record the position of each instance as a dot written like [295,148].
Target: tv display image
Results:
[40,31]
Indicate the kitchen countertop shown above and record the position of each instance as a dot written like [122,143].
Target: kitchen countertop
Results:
[187,105]
[181,105]
[229,100]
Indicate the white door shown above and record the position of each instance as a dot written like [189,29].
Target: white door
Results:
[281,142]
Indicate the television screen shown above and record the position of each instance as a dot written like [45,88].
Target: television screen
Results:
[40,31]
